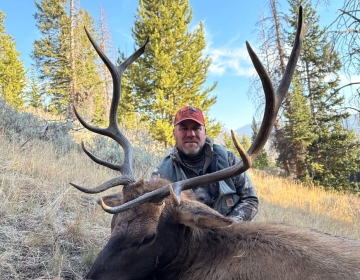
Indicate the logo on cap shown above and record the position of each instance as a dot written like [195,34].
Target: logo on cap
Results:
[189,113]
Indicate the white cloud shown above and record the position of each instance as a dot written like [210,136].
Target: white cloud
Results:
[227,59]
[228,56]
[230,60]
[347,80]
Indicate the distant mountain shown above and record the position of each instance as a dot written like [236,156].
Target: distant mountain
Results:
[351,123]
[245,130]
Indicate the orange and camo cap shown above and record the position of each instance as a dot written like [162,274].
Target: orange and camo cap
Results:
[189,113]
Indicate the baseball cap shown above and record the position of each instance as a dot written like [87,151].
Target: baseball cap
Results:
[189,113]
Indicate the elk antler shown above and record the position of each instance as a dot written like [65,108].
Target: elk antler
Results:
[112,130]
[273,103]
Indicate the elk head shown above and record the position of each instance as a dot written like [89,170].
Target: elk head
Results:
[147,221]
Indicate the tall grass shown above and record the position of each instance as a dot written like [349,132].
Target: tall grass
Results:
[285,200]
[50,230]
[47,228]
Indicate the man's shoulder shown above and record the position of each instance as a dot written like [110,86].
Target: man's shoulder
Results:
[225,154]
[165,161]
[220,149]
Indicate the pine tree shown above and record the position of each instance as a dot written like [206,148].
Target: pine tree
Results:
[273,49]
[262,160]
[73,76]
[331,156]
[12,73]
[99,117]
[88,78]
[229,144]
[245,142]
[128,116]
[33,92]
[299,130]
[172,71]
[66,60]
[52,53]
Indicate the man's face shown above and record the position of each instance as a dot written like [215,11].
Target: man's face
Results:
[189,137]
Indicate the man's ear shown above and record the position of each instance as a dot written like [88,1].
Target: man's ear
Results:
[197,215]
[112,200]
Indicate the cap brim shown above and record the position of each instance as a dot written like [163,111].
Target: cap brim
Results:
[199,122]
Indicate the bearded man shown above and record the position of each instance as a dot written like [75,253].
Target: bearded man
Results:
[196,154]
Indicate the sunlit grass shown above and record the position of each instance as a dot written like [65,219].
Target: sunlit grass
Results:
[286,200]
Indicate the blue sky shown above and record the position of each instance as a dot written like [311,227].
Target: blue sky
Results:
[228,24]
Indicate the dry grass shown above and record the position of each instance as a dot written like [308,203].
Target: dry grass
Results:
[49,230]
[284,200]
[47,227]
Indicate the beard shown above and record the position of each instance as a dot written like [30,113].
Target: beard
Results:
[192,151]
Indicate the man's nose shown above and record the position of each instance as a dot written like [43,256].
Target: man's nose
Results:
[190,133]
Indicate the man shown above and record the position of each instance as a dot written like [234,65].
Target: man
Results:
[196,154]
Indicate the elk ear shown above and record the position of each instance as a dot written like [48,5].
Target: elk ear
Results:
[112,200]
[197,215]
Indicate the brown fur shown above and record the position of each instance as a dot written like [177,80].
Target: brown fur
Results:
[265,251]
[192,241]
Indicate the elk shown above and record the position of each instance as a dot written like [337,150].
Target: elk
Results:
[159,230]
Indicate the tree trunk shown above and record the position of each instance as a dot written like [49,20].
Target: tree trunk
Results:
[105,38]
[282,146]
[73,86]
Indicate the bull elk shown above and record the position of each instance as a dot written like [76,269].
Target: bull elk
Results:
[159,230]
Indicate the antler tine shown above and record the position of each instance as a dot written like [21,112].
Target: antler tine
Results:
[270,104]
[295,52]
[273,103]
[112,130]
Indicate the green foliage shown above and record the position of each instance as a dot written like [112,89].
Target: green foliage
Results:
[172,71]
[299,129]
[99,117]
[127,114]
[52,52]
[12,73]
[88,80]
[33,91]
[229,144]
[262,160]
[245,142]
[52,59]
[335,156]
[328,151]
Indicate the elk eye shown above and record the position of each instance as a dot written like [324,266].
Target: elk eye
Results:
[148,239]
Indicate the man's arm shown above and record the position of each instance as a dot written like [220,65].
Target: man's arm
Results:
[247,207]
